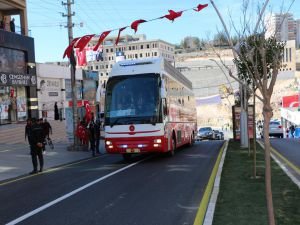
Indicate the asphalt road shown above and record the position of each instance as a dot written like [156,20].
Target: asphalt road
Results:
[289,148]
[106,190]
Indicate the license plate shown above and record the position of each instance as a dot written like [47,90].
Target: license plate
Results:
[133,150]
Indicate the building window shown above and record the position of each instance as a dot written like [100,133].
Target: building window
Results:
[101,74]
[136,56]
[155,53]
[129,47]
[110,65]
[106,66]
[148,46]
[133,47]
[109,58]
[107,50]
[290,50]
[91,67]
[111,50]
[142,46]
[97,67]
[106,74]
[141,55]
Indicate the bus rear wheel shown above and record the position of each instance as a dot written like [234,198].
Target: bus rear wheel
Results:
[191,142]
[172,151]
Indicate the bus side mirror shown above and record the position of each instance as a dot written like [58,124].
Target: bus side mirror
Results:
[165,108]
[163,92]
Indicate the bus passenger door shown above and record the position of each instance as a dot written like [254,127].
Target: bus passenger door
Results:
[165,120]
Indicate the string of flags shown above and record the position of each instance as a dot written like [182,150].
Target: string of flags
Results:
[80,42]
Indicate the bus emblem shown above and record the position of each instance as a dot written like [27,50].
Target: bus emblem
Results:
[131,128]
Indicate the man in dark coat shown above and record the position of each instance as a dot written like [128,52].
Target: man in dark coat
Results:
[37,138]
[97,135]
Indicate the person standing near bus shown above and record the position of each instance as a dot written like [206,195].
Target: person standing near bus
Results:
[92,134]
[37,138]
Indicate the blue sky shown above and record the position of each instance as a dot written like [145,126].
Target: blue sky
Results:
[46,23]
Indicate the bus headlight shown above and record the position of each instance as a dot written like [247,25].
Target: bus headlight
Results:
[158,141]
[108,142]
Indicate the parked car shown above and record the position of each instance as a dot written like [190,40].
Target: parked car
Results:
[275,129]
[218,135]
[205,133]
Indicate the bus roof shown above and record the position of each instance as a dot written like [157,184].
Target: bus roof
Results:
[152,65]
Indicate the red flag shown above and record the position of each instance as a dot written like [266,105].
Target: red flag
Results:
[120,30]
[134,24]
[69,49]
[101,39]
[173,15]
[81,57]
[83,41]
[200,7]
[88,116]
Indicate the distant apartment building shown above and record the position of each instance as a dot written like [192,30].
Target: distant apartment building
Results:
[129,47]
[283,26]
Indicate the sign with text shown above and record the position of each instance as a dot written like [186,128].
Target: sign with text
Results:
[8,79]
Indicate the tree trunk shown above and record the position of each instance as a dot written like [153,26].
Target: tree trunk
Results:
[267,113]
[254,137]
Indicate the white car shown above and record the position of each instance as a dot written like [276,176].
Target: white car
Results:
[205,133]
[275,129]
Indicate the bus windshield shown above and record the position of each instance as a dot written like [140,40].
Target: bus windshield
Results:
[132,99]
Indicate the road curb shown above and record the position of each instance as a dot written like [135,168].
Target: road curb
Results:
[207,205]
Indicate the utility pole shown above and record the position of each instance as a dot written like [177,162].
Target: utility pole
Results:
[73,68]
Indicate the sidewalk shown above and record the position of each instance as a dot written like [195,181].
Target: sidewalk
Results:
[15,159]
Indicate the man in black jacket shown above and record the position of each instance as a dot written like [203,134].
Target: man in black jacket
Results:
[37,138]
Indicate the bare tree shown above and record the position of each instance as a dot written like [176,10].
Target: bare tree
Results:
[258,61]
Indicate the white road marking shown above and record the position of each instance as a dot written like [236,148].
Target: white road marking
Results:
[5,150]
[43,207]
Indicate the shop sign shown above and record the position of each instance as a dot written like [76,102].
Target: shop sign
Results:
[10,79]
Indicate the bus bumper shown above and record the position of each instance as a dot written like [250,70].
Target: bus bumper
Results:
[136,145]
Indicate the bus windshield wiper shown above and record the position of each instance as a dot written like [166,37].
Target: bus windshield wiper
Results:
[115,122]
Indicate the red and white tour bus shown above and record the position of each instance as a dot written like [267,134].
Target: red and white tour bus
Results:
[149,107]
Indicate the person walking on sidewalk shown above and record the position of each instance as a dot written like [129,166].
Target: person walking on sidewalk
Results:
[37,138]
[97,135]
[92,134]
[46,128]
[56,114]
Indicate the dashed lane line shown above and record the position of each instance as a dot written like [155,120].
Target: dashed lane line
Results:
[68,195]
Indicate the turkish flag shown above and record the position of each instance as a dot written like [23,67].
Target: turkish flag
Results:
[120,30]
[200,7]
[83,41]
[81,57]
[135,24]
[88,116]
[173,15]
[101,39]
[69,49]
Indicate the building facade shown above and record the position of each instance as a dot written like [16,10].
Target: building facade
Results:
[18,95]
[283,26]
[54,86]
[129,47]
